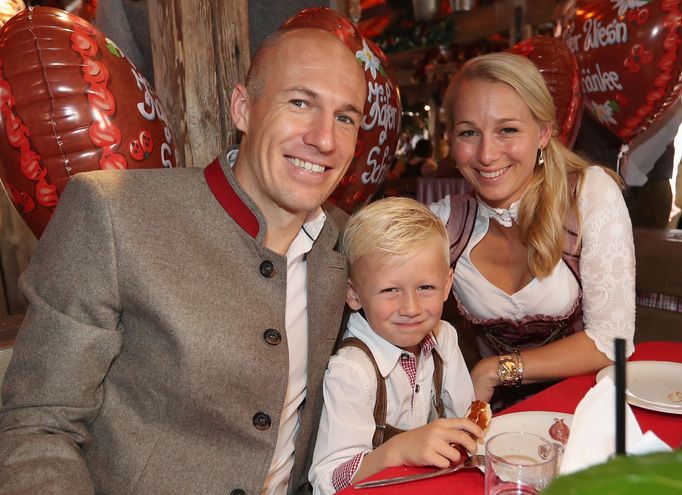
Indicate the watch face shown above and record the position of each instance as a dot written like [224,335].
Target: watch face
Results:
[507,371]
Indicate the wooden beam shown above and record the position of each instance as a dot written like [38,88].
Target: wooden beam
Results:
[200,50]
[17,244]
[487,20]
[231,37]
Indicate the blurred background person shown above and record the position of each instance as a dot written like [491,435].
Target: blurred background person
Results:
[418,163]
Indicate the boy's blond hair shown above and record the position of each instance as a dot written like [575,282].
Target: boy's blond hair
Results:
[393,226]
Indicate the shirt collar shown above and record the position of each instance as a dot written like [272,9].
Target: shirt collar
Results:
[503,216]
[385,354]
[428,344]
[310,230]
[232,156]
[314,223]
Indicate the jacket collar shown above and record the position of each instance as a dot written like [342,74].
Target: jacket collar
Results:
[239,206]
[231,197]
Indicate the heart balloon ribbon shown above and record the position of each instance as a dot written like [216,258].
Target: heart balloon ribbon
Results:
[70,102]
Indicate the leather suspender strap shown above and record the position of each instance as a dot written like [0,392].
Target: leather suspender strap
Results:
[380,404]
[438,383]
[383,431]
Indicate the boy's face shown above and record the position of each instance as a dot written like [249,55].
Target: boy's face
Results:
[402,300]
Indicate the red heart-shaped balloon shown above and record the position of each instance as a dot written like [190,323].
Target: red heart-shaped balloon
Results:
[378,134]
[560,70]
[629,57]
[70,102]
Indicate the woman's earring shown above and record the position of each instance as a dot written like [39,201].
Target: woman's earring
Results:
[541,157]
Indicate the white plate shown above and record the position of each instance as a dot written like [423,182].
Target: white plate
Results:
[537,422]
[649,384]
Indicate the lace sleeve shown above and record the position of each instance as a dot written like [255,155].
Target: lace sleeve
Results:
[607,263]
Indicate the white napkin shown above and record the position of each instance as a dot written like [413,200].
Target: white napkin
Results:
[593,431]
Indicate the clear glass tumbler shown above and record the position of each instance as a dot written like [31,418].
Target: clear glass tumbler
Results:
[518,464]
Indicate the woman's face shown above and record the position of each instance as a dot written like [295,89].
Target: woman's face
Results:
[495,140]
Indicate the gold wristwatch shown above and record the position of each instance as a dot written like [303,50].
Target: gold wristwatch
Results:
[510,370]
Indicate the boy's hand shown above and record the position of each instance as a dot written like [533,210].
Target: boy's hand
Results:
[433,444]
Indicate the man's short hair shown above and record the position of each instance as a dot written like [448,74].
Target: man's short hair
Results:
[395,226]
[255,77]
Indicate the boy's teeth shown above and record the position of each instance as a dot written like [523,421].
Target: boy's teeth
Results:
[492,175]
[310,167]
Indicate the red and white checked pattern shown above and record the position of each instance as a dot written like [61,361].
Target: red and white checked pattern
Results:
[409,362]
[343,474]
[428,344]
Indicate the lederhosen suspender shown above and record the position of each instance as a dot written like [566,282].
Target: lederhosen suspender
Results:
[383,431]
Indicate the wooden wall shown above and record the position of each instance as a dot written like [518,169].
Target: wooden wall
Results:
[17,243]
[201,50]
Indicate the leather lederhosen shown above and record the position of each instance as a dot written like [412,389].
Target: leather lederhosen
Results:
[384,431]
[504,335]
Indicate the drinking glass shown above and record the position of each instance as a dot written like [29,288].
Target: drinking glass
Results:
[518,464]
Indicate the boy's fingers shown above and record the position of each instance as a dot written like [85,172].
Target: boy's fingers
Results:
[466,425]
[473,429]
[467,442]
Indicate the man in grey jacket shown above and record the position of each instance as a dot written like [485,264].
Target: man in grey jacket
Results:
[180,320]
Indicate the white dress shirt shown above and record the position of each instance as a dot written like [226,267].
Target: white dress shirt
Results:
[296,327]
[296,321]
[347,422]
[607,271]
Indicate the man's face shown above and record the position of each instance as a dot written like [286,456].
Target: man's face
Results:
[300,131]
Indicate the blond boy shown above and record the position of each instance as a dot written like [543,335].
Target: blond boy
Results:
[399,373]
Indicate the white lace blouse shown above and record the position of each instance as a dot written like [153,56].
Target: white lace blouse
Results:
[607,270]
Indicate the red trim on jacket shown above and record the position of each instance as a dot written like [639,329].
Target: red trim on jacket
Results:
[229,199]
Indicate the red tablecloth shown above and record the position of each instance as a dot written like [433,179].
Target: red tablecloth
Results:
[562,397]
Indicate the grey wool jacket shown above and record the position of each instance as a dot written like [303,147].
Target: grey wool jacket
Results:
[146,363]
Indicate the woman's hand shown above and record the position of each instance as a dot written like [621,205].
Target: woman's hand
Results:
[485,378]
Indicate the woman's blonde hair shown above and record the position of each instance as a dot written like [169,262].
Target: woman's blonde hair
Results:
[394,226]
[547,200]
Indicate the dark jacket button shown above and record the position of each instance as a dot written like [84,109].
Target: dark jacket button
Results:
[272,336]
[262,420]
[267,268]
[238,491]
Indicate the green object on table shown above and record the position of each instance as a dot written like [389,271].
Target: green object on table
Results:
[659,474]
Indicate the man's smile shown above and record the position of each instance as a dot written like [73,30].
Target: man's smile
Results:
[308,166]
